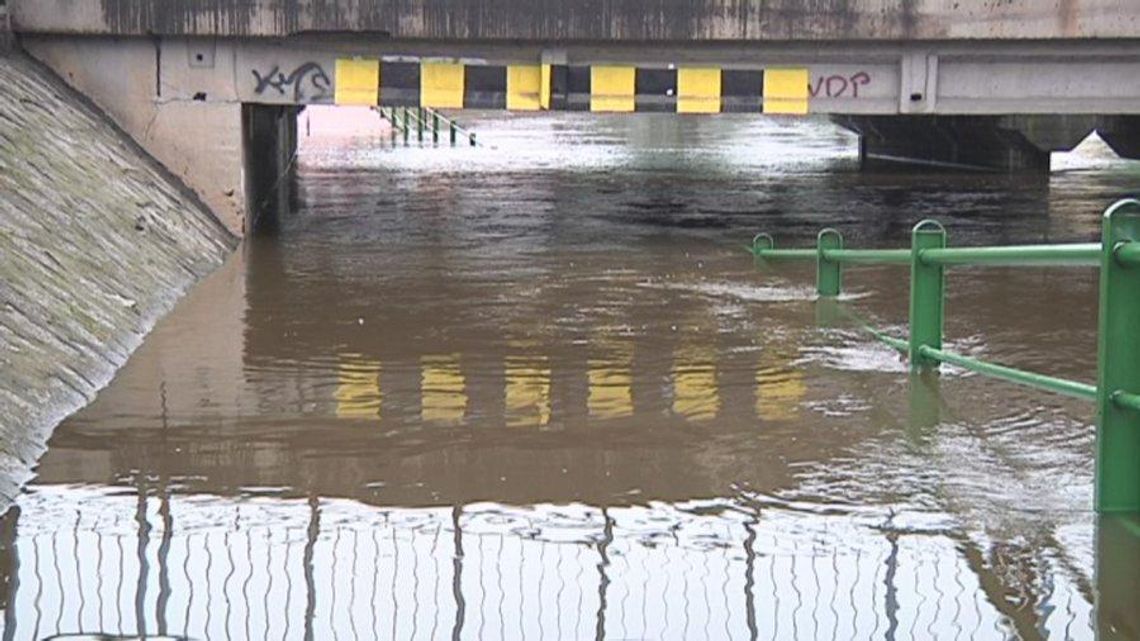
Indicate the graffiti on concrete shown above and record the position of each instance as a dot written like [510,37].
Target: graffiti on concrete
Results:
[308,81]
[839,86]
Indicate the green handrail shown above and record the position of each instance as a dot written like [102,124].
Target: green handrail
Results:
[400,117]
[1019,256]
[1125,400]
[1086,254]
[1051,383]
[1128,253]
[1118,335]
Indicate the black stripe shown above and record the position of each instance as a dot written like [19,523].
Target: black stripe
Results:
[655,89]
[578,88]
[741,90]
[484,87]
[400,84]
[558,87]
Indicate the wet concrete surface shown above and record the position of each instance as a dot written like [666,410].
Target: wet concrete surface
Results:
[96,243]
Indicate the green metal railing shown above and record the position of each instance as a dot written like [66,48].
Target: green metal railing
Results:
[1117,392]
[403,119]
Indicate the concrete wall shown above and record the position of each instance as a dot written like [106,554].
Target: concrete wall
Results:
[638,20]
[97,240]
[200,142]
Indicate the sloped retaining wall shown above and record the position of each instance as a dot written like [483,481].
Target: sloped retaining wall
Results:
[97,242]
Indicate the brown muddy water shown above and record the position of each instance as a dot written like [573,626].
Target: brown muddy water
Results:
[537,390]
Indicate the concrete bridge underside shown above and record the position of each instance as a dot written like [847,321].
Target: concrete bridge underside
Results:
[211,88]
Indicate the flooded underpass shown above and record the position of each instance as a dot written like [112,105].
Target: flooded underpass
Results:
[538,389]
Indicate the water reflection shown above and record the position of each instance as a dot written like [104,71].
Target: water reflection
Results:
[81,560]
[443,390]
[695,386]
[358,393]
[611,383]
[526,394]
[527,391]
[537,390]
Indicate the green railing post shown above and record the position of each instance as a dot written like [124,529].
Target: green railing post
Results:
[1118,365]
[452,127]
[435,127]
[927,284]
[472,140]
[404,122]
[420,124]
[828,273]
[761,241]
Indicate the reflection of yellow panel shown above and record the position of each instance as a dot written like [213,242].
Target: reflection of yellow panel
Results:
[778,393]
[443,392]
[358,388]
[441,85]
[524,84]
[786,91]
[695,393]
[528,392]
[544,87]
[357,82]
[698,91]
[612,88]
[611,389]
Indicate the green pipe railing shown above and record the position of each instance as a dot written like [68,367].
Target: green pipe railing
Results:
[1087,254]
[1117,392]
[1128,253]
[423,119]
[1050,383]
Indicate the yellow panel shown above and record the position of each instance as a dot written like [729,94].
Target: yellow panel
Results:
[695,393]
[357,82]
[524,86]
[778,393]
[441,85]
[358,389]
[443,390]
[786,91]
[698,91]
[528,392]
[612,88]
[611,389]
[544,89]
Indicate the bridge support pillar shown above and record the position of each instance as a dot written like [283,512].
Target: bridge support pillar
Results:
[6,38]
[978,143]
[1122,133]
[269,147]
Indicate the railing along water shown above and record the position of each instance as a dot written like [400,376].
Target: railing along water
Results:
[424,117]
[1117,392]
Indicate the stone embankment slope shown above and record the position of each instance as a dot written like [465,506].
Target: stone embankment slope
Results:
[96,243]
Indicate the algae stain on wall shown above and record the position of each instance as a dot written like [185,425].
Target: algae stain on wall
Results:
[97,242]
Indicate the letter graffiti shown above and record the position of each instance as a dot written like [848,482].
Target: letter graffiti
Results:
[309,82]
[839,86]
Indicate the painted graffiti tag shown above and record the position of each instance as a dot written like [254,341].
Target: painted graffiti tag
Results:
[309,82]
[839,86]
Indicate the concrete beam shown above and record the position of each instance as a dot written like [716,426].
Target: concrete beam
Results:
[952,143]
[943,78]
[181,97]
[609,20]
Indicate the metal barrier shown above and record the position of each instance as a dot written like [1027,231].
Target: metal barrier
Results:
[1118,335]
[404,118]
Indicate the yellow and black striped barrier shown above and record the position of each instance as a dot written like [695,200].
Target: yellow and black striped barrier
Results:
[596,88]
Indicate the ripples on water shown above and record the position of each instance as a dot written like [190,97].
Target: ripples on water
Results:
[535,389]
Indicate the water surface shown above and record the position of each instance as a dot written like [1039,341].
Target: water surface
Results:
[536,389]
